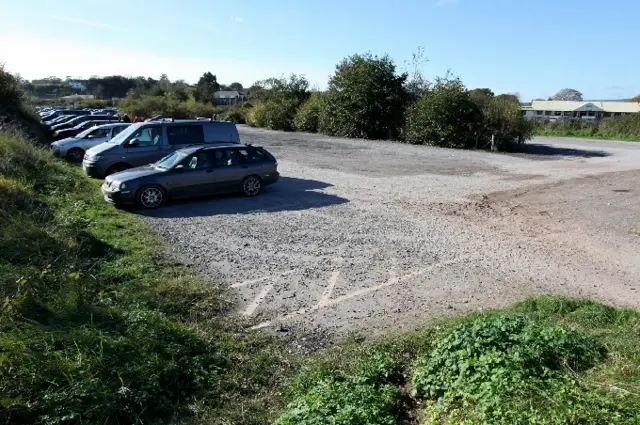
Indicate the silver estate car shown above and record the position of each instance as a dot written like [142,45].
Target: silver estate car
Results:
[192,172]
[147,142]
[74,148]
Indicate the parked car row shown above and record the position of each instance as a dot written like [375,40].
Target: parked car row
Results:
[151,162]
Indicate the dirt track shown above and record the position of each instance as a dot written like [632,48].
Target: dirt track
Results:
[373,235]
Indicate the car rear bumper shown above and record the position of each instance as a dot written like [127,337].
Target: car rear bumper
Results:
[270,178]
[117,197]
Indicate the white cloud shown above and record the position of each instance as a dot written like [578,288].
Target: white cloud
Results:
[443,3]
[58,57]
[84,22]
[238,19]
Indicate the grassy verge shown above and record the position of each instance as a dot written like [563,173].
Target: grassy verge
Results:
[98,327]
[587,134]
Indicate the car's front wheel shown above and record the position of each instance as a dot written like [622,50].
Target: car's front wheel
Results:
[116,168]
[150,196]
[251,185]
[75,155]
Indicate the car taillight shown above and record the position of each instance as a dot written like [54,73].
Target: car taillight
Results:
[275,164]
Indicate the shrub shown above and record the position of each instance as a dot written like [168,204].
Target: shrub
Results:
[486,370]
[308,114]
[234,113]
[365,99]
[503,119]
[256,115]
[279,114]
[445,116]
[364,396]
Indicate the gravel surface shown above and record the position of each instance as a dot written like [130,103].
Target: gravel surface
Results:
[366,236]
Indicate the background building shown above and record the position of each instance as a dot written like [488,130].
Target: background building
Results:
[594,110]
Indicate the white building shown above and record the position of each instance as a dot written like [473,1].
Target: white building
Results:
[78,85]
[592,110]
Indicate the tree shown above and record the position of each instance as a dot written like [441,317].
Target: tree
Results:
[635,99]
[206,87]
[416,84]
[236,86]
[365,99]
[568,94]
[445,116]
[481,96]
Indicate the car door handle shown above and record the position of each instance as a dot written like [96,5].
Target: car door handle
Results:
[209,170]
[245,166]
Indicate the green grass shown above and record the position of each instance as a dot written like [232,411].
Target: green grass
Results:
[587,134]
[99,327]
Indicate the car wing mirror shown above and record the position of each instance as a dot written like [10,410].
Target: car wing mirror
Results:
[179,168]
[133,142]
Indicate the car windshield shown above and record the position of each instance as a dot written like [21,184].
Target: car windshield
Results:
[124,134]
[171,159]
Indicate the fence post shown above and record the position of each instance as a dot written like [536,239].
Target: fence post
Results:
[493,143]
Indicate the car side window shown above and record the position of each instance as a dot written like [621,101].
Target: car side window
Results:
[147,136]
[117,130]
[100,132]
[255,156]
[198,161]
[185,134]
[230,157]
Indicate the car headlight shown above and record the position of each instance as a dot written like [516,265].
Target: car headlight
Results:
[123,186]
[95,157]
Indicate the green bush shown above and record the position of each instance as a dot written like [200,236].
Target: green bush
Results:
[365,396]
[365,99]
[279,114]
[445,116]
[256,117]
[505,369]
[236,113]
[308,114]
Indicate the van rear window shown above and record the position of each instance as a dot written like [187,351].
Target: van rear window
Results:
[185,134]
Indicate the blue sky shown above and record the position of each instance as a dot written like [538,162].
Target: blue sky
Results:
[526,46]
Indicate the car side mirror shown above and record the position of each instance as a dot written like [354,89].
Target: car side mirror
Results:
[133,142]
[179,168]
[90,136]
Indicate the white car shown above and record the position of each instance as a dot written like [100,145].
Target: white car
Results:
[73,148]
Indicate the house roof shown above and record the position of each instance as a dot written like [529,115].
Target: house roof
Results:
[227,94]
[565,105]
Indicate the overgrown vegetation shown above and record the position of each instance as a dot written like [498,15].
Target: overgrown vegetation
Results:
[617,128]
[149,106]
[546,361]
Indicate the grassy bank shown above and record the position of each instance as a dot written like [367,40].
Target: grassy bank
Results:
[99,327]
[619,128]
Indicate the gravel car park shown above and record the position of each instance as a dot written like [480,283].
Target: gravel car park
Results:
[371,235]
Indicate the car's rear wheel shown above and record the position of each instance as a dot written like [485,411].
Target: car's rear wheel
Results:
[75,155]
[150,197]
[251,185]
[116,168]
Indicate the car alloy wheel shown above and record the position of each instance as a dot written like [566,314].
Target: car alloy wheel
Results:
[75,155]
[151,197]
[251,186]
